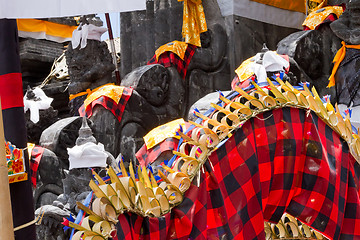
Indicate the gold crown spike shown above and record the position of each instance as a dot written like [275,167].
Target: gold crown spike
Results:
[312,104]
[119,187]
[224,99]
[93,216]
[131,171]
[123,169]
[259,89]
[146,177]
[268,101]
[154,184]
[97,191]
[294,90]
[279,96]
[291,96]
[105,228]
[333,119]
[187,138]
[302,99]
[98,178]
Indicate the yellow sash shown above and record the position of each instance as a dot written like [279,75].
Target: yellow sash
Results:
[339,57]
[315,18]
[194,21]
[244,71]
[159,134]
[111,91]
[177,47]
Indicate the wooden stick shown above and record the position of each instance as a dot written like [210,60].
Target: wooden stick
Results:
[6,220]
[113,51]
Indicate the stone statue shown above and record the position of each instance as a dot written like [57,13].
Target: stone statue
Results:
[57,195]
[347,27]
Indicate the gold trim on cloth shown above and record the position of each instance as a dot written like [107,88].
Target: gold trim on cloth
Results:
[159,134]
[315,18]
[194,21]
[294,5]
[177,47]
[339,57]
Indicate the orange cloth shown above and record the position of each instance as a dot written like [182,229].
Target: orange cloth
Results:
[316,17]
[194,21]
[177,47]
[87,92]
[293,5]
[34,27]
[339,57]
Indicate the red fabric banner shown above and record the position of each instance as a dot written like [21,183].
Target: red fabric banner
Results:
[11,90]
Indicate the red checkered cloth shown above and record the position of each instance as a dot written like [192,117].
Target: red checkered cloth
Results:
[109,104]
[291,162]
[36,155]
[146,157]
[168,59]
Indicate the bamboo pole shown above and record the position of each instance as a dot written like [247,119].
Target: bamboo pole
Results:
[6,220]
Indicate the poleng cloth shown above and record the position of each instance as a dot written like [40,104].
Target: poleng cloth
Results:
[294,5]
[168,59]
[147,156]
[317,17]
[194,21]
[291,162]
[177,47]
[339,57]
[36,155]
[108,103]
[160,133]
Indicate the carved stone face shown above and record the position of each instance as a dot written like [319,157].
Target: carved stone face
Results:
[88,65]
[155,89]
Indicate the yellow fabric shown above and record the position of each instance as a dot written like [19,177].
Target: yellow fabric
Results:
[339,57]
[244,71]
[50,28]
[87,92]
[293,5]
[194,21]
[159,134]
[315,18]
[109,90]
[177,47]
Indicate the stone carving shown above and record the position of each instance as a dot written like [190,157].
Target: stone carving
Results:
[311,54]
[347,27]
